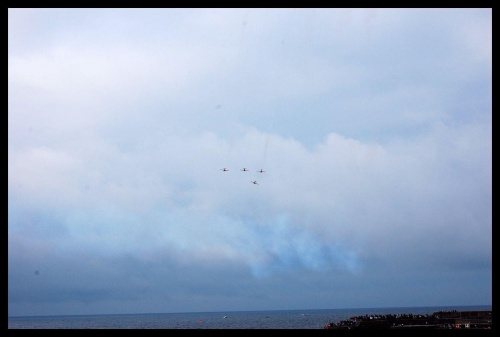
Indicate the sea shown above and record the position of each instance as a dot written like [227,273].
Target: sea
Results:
[272,319]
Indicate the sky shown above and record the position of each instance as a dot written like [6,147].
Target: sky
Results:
[373,126]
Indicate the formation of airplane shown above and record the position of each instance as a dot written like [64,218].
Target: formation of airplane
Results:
[245,170]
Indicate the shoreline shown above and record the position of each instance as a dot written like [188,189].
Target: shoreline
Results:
[452,319]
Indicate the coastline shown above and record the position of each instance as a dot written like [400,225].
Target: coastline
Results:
[452,319]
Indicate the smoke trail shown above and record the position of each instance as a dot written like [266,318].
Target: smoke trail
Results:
[279,246]
[265,147]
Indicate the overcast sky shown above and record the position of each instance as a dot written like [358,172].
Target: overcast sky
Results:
[374,127]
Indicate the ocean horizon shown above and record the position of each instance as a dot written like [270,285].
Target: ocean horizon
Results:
[259,319]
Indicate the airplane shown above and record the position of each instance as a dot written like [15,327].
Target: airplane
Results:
[244,169]
[261,171]
[254,182]
[224,169]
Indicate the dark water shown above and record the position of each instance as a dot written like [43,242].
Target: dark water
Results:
[277,319]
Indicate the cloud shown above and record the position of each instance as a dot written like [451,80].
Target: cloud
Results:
[374,130]
[344,195]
